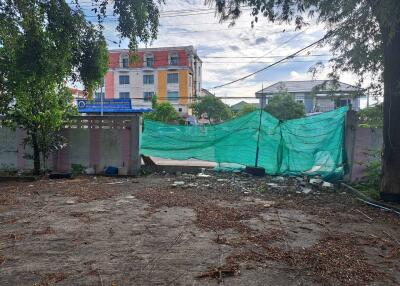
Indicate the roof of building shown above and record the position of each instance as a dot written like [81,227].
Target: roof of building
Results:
[155,49]
[307,86]
[205,92]
[239,105]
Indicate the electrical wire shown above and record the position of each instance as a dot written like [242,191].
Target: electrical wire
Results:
[275,63]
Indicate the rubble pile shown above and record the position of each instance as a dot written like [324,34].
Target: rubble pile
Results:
[246,184]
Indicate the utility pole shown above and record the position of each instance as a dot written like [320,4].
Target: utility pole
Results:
[101,95]
[259,127]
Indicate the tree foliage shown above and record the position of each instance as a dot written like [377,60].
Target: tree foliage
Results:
[247,108]
[284,107]
[164,112]
[211,106]
[137,20]
[46,43]
[372,117]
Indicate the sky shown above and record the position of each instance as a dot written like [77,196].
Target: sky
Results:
[229,53]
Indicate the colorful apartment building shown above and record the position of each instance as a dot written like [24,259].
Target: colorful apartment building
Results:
[172,74]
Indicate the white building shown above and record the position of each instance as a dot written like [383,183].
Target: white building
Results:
[316,95]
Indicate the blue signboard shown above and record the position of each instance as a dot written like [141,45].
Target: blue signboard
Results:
[109,106]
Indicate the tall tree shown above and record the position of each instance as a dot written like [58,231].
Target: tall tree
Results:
[46,43]
[365,39]
[213,107]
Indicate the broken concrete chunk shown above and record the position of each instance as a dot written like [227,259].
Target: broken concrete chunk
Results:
[70,202]
[222,180]
[327,185]
[306,190]
[178,183]
[273,185]
[202,175]
[278,179]
[316,181]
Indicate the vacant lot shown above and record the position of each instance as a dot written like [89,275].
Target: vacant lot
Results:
[227,229]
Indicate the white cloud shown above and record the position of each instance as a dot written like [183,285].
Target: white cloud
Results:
[237,44]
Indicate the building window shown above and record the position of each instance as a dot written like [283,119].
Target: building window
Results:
[173,95]
[99,95]
[148,79]
[343,102]
[180,109]
[125,61]
[124,79]
[173,78]
[124,95]
[148,95]
[174,59]
[148,60]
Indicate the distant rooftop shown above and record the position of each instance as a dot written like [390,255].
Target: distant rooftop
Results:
[239,105]
[155,49]
[307,86]
[205,92]
[172,48]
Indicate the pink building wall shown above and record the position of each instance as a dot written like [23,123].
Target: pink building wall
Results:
[109,83]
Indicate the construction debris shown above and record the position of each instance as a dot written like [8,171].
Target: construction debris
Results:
[178,183]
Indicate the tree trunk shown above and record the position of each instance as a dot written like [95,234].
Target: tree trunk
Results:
[36,154]
[390,189]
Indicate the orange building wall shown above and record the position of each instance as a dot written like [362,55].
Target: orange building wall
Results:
[183,86]
[162,85]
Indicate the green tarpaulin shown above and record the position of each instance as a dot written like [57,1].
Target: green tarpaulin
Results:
[311,145]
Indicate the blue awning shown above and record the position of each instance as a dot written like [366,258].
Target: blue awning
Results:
[109,106]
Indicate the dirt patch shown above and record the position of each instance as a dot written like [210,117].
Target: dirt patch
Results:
[45,231]
[335,258]
[51,279]
[224,228]
[7,200]
[339,258]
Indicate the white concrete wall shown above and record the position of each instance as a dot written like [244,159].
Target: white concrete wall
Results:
[8,148]
[116,144]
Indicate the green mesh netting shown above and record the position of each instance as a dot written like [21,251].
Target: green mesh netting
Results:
[312,145]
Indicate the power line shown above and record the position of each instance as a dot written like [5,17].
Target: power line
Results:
[275,56]
[275,63]
[295,61]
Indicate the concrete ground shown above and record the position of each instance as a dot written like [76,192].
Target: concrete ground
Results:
[190,162]
[213,229]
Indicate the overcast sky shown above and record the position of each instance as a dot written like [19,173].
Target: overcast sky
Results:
[225,51]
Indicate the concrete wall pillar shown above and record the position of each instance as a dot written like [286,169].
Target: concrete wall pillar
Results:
[135,134]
